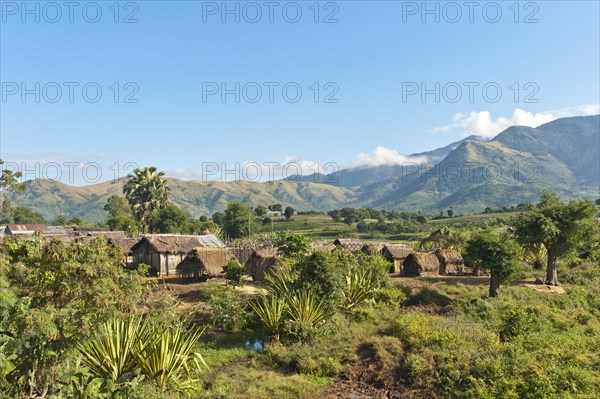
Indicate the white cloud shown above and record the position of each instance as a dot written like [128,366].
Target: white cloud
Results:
[385,156]
[183,174]
[484,124]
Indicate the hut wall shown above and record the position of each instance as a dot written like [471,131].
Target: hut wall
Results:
[397,267]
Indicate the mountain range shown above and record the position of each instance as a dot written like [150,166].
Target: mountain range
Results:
[468,175]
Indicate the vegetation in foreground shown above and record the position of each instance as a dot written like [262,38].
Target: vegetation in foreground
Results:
[76,324]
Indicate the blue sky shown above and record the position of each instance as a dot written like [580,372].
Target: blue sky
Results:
[369,60]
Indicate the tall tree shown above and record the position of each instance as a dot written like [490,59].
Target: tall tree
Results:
[496,254]
[120,215]
[560,227]
[9,182]
[171,219]
[239,220]
[146,193]
[289,212]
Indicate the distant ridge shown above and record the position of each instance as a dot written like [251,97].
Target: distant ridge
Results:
[514,167]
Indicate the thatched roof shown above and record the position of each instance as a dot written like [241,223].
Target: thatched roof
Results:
[396,251]
[449,256]
[350,244]
[243,254]
[177,244]
[451,261]
[261,262]
[322,246]
[372,249]
[419,263]
[124,243]
[106,234]
[211,260]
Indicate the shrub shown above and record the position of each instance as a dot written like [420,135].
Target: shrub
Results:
[234,272]
[228,310]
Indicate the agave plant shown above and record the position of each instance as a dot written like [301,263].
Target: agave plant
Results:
[305,310]
[113,354]
[359,288]
[167,357]
[270,310]
[280,283]
[124,349]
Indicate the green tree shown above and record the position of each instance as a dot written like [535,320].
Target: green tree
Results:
[120,215]
[25,215]
[239,220]
[60,220]
[146,193]
[170,219]
[496,254]
[76,221]
[292,245]
[276,207]
[289,212]
[9,182]
[560,227]
[117,205]
[260,211]
[52,296]
[218,218]
[450,212]
[8,212]
[336,215]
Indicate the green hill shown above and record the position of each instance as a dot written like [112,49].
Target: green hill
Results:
[514,167]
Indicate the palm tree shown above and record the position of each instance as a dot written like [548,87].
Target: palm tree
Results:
[146,192]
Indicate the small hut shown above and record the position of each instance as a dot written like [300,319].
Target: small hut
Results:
[204,262]
[451,261]
[164,252]
[322,246]
[396,254]
[261,262]
[420,263]
[243,254]
[349,244]
[372,249]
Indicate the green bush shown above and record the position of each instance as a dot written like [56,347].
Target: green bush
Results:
[228,309]
[234,272]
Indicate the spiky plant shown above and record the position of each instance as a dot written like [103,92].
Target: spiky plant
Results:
[280,283]
[359,288]
[113,354]
[270,310]
[123,349]
[167,358]
[306,310]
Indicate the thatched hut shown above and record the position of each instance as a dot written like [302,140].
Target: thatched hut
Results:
[261,262]
[372,249]
[164,252]
[451,261]
[322,246]
[420,263]
[349,244]
[243,254]
[396,254]
[205,262]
